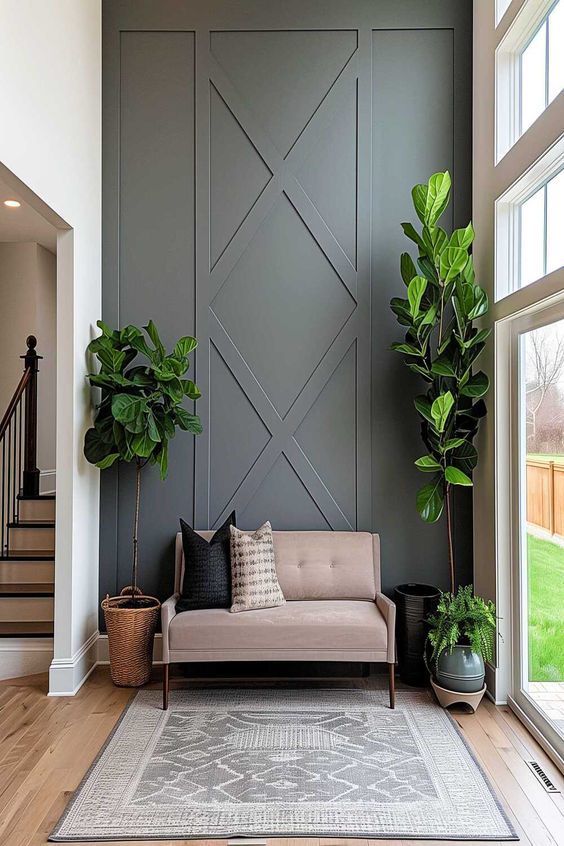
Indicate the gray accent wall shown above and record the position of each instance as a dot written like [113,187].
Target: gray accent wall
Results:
[258,161]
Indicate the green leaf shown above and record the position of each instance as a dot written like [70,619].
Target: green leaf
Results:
[163,461]
[428,464]
[174,389]
[430,315]
[188,422]
[422,371]
[453,443]
[465,457]
[456,477]
[127,407]
[430,499]
[462,237]
[96,447]
[184,346]
[152,428]
[423,406]
[440,410]
[428,270]
[190,389]
[480,303]
[437,197]
[112,359]
[400,308]
[453,260]
[107,461]
[415,291]
[411,233]
[419,196]
[479,337]
[476,386]
[406,349]
[153,334]
[143,445]
[443,367]
[407,268]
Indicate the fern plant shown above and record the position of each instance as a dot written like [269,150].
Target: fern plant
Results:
[462,618]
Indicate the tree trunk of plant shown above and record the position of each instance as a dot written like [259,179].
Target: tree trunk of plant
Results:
[449,532]
[136,531]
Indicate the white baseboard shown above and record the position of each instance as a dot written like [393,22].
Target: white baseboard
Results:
[47,481]
[103,654]
[67,675]
[24,656]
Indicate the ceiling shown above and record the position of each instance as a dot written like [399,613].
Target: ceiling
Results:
[24,223]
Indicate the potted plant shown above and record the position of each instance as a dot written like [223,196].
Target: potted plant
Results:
[441,346]
[139,412]
[462,635]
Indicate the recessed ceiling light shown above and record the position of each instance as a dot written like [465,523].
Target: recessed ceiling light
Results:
[12,204]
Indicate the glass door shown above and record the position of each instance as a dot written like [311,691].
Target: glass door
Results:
[538,559]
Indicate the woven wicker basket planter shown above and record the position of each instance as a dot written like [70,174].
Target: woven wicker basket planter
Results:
[131,632]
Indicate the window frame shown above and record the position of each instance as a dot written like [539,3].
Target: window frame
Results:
[508,73]
[508,228]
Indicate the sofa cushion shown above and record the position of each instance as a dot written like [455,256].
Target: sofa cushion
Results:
[325,625]
[253,572]
[207,574]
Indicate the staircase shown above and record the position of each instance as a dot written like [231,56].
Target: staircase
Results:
[27,518]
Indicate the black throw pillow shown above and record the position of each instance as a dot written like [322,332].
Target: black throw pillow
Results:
[207,568]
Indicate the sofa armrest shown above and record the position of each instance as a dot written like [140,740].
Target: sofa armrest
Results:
[387,609]
[168,612]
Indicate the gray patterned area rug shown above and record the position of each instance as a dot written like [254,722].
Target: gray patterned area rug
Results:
[279,762]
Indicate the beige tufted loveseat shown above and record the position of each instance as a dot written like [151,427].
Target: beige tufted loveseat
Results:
[334,611]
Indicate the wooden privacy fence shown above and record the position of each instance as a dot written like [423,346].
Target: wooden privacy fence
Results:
[545,494]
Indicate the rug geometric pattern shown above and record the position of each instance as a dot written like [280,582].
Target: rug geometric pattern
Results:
[335,763]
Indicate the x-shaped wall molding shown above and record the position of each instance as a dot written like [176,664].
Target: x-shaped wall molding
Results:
[284,180]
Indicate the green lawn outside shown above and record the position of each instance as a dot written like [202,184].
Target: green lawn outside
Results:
[546,457]
[546,610]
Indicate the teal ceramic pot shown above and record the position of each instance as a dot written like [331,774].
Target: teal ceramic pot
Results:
[461,670]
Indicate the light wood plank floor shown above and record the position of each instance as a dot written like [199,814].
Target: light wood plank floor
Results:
[47,744]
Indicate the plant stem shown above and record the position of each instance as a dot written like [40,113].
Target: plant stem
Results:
[449,532]
[136,531]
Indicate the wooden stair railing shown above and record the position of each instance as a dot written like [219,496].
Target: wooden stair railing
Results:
[27,518]
[18,446]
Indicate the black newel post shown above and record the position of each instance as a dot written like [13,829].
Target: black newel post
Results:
[31,472]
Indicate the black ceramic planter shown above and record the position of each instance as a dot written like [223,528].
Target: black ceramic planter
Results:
[414,602]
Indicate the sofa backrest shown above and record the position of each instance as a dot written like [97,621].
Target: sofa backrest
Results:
[317,565]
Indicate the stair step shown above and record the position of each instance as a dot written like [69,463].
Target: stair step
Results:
[30,555]
[31,536]
[26,609]
[27,589]
[43,629]
[22,496]
[38,509]
[27,571]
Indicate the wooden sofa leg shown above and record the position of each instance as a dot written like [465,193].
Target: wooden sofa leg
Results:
[392,686]
[165,686]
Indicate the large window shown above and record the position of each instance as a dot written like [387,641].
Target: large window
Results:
[541,69]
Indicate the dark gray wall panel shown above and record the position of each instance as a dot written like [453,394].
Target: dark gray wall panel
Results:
[258,160]
[156,268]
[413,136]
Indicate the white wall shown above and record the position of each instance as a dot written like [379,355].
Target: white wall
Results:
[50,89]
[28,292]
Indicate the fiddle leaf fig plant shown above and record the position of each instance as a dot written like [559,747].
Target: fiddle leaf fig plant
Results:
[141,403]
[441,345]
